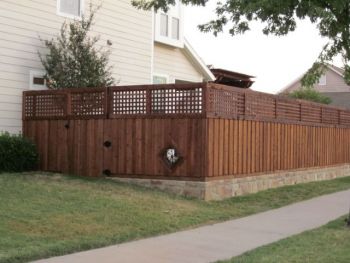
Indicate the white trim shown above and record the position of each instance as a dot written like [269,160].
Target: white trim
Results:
[36,73]
[196,59]
[334,70]
[81,11]
[167,77]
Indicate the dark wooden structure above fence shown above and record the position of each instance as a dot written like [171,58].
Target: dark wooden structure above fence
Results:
[218,131]
[231,78]
[198,100]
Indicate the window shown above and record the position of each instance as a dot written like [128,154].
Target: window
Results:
[164,25]
[160,79]
[322,81]
[168,27]
[37,80]
[70,8]
[175,26]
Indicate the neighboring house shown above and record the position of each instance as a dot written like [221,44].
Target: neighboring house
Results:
[331,84]
[146,47]
[232,78]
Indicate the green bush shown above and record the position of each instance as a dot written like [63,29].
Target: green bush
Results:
[17,154]
[310,94]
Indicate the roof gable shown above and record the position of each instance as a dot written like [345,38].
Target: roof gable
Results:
[337,70]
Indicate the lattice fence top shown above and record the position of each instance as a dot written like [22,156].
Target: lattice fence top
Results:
[228,102]
[63,104]
[157,100]
[197,100]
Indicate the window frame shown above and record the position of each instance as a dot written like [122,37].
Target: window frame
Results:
[324,80]
[32,75]
[81,11]
[176,11]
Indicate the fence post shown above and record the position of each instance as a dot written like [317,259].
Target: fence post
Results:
[34,106]
[244,104]
[204,88]
[107,102]
[68,104]
[275,108]
[148,101]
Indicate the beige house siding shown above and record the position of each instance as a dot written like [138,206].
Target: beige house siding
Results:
[335,88]
[334,83]
[174,63]
[21,22]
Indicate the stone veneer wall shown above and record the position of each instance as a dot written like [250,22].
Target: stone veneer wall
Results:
[229,187]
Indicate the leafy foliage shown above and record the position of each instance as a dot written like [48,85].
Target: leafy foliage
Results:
[73,61]
[279,17]
[17,154]
[310,94]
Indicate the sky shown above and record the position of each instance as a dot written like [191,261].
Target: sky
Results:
[275,61]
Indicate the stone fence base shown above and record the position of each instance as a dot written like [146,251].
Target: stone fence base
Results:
[229,187]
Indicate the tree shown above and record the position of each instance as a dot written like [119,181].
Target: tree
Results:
[309,93]
[73,61]
[279,16]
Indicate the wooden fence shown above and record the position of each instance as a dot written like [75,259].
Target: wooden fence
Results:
[218,131]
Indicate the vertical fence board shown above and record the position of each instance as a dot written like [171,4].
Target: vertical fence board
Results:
[212,147]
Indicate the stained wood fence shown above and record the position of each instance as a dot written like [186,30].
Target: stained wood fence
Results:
[219,131]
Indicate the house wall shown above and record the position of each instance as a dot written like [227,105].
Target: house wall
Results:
[174,63]
[21,24]
[334,83]
[341,99]
[335,88]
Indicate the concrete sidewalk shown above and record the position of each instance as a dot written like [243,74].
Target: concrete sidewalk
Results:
[222,240]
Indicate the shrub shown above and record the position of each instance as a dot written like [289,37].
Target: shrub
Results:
[17,154]
[74,60]
[310,94]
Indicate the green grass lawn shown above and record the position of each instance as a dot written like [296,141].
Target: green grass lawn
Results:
[328,244]
[42,215]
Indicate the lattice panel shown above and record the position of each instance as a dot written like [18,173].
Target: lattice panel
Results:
[129,102]
[226,103]
[288,110]
[330,116]
[345,117]
[88,103]
[41,106]
[311,113]
[192,100]
[176,101]
[260,106]
[28,106]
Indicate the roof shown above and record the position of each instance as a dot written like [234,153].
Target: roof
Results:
[196,60]
[232,78]
[339,71]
